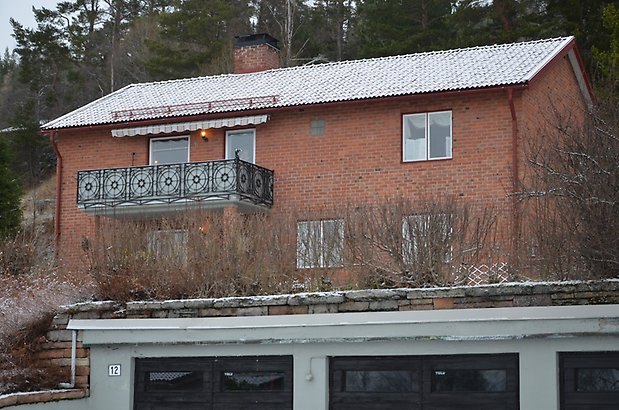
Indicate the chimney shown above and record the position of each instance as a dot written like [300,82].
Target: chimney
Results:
[255,52]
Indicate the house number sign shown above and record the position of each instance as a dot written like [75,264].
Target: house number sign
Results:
[113,370]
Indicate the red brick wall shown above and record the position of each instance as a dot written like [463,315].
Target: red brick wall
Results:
[250,59]
[555,90]
[552,98]
[358,160]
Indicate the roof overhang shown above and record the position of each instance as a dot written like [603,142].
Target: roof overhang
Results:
[190,126]
[452,325]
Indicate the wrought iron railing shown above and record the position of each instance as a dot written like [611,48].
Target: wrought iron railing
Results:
[232,179]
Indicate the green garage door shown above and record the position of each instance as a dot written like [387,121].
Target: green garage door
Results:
[589,381]
[464,382]
[217,383]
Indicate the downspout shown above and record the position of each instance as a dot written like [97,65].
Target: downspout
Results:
[52,140]
[515,172]
[71,384]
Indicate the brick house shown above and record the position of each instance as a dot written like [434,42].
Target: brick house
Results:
[315,137]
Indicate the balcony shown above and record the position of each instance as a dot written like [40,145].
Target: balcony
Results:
[172,187]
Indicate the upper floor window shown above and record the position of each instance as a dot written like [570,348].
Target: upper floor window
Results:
[243,142]
[426,136]
[169,150]
[320,243]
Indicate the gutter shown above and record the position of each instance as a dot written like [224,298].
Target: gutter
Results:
[272,110]
[515,165]
[515,171]
[71,384]
[52,139]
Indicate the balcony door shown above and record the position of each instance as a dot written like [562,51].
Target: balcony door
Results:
[244,141]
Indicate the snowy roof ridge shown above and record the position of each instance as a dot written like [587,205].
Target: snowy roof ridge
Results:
[408,74]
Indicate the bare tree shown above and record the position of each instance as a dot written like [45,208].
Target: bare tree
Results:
[573,195]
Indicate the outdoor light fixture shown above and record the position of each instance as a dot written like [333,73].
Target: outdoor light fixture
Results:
[204,136]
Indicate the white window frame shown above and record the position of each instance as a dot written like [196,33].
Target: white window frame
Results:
[305,257]
[410,245]
[243,131]
[427,138]
[150,146]
[155,239]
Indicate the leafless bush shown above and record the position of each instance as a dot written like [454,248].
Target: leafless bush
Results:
[571,200]
[32,289]
[28,252]
[421,243]
[212,254]
[198,254]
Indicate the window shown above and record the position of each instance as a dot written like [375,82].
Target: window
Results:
[320,243]
[170,245]
[317,127]
[243,141]
[427,238]
[589,380]
[426,136]
[244,381]
[170,150]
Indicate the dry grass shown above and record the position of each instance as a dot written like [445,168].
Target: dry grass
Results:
[38,204]
[32,289]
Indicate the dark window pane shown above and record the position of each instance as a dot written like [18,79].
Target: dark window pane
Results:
[236,381]
[391,381]
[469,380]
[593,380]
[173,381]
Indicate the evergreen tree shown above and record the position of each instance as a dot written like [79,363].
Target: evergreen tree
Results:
[606,60]
[196,37]
[10,210]
[399,27]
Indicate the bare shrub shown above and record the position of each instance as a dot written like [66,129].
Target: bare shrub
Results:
[32,289]
[571,200]
[420,243]
[198,254]
[215,254]
[28,252]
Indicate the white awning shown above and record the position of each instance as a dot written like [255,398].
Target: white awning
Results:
[190,126]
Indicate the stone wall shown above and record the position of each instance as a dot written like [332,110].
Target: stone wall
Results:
[56,350]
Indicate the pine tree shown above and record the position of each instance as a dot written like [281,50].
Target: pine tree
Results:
[10,192]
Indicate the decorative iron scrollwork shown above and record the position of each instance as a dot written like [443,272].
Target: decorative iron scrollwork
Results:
[226,179]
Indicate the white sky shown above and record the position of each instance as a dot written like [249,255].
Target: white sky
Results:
[20,10]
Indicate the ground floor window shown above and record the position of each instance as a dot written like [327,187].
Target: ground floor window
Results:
[424,382]
[217,383]
[320,244]
[589,380]
[168,244]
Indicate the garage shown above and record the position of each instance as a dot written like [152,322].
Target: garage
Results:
[218,383]
[424,382]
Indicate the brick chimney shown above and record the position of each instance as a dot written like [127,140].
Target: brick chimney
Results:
[255,52]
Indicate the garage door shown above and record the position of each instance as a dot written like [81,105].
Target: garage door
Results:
[219,383]
[589,381]
[424,382]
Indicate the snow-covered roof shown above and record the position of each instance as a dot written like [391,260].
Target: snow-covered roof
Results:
[449,70]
